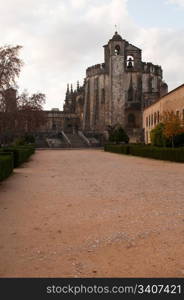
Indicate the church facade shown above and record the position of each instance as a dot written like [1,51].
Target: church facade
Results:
[116,91]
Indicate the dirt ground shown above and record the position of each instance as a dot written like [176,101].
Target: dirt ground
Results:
[86,213]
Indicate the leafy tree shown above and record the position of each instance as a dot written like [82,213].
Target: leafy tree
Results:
[118,135]
[29,139]
[157,136]
[173,125]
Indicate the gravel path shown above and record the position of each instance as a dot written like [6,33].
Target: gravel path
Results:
[86,213]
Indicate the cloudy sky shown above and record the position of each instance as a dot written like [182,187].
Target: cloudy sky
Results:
[61,38]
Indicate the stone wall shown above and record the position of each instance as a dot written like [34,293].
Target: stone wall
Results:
[173,101]
[117,91]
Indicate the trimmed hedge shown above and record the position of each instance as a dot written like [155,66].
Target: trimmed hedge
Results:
[169,154]
[20,153]
[122,149]
[6,165]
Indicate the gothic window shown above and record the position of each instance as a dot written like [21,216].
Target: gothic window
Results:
[117,50]
[130,94]
[152,120]
[150,84]
[158,116]
[146,121]
[155,118]
[177,113]
[131,91]
[130,61]
[131,120]
[153,83]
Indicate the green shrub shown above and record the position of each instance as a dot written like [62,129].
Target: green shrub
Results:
[179,140]
[170,154]
[6,165]
[122,149]
[159,140]
[157,136]
[29,139]
[29,147]
[19,142]
[20,153]
[24,140]
[118,135]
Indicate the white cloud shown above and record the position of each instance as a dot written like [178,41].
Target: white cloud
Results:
[164,47]
[61,38]
[177,2]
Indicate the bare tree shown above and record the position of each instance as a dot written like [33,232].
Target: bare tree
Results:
[10,67]
[26,115]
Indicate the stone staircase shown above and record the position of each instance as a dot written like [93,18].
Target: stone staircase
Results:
[56,143]
[76,141]
[50,141]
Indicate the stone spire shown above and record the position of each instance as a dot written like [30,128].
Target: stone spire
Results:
[71,89]
[67,91]
[78,86]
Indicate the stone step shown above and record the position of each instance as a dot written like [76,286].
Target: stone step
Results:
[76,141]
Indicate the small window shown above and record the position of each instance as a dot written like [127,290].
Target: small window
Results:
[149,121]
[158,116]
[152,119]
[130,61]
[155,118]
[117,50]
[183,114]
[146,121]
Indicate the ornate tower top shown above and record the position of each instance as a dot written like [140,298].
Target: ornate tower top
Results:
[116,37]
[67,92]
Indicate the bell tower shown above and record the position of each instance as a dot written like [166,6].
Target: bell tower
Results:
[116,50]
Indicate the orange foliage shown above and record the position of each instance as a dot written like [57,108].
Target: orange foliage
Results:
[173,125]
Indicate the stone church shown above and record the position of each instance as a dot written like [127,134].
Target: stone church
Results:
[115,92]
